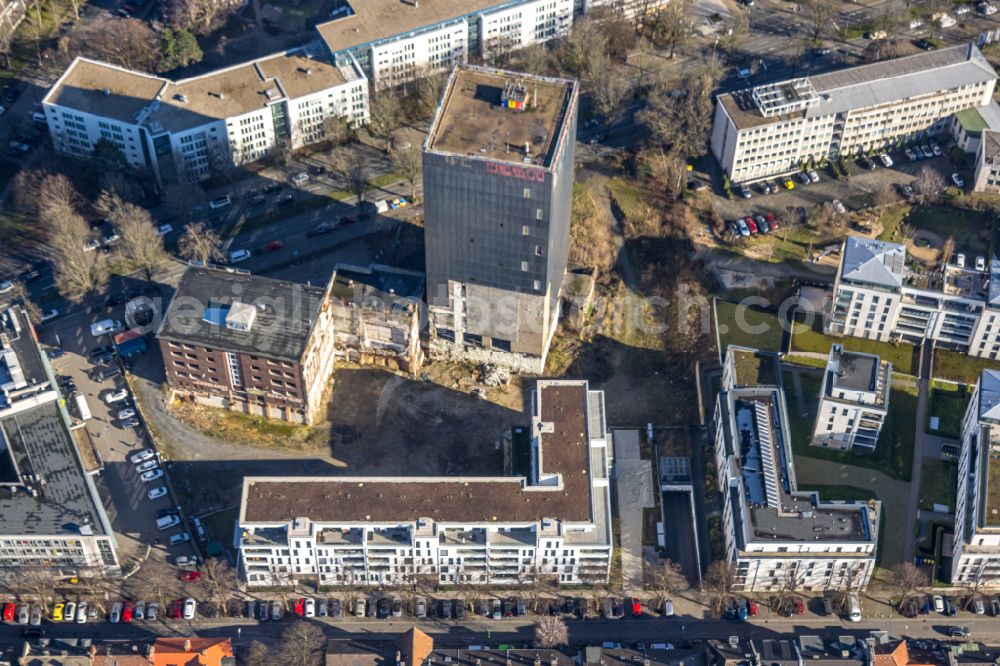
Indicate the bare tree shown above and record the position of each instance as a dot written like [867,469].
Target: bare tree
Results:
[908,580]
[947,250]
[818,14]
[584,45]
[384,114]
[37,583]
[533,59]
[736,33]
[200,16]
[258,654]
[427,89]
[140,241]
[667,579]
[77,271]
[180,197]
[156,581]
[358,179]
[674,27]
[550,632]
[885,195]
[408,162]
[929,183]
[609,91]
[129,43]
[301,645]
[681,122]
[220,581]
[907,231]
[200,245]
[337,130]
[720,578]
[27,191]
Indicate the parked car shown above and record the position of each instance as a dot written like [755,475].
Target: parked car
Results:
[938,603]
[397,607]
[82,613]
[839,206]
[959,632]
[105,326]
[157,493]
[444,609]
[958,180]
[300,179]
[145,467]
[219,203]
[69,611]
[886,160]
[980,263]
[115,396]
[359,607]
[978,607]
[116,613]
[743,191]
[949,606]
[142,455]
[274,246]
[910,155]
[336,611]
[176,539]
[190,576]
[236,256]
[420,607]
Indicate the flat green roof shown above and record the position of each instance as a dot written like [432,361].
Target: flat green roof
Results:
[971,121]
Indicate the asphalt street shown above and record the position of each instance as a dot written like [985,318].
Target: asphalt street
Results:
[480,631]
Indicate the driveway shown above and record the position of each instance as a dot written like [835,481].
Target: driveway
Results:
[634,485]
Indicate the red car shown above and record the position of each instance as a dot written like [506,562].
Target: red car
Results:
[751,224]
[274,246]
[127,612]
[189,576]
[753,608]
[177,610]
[8,612]
[800,608]
[636,607]
[300,607]
[772,220]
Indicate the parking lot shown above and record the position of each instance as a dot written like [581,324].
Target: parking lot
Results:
[859,192]
[125,495]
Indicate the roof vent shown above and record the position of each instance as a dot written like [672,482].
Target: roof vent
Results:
[220,95]
[106,92]
[240,316]
[181,98]
[306,70]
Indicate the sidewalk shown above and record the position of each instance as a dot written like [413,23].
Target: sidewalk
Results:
[634,485]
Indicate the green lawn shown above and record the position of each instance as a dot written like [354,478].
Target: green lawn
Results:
[894,453]
[747,327]
[948,403]
[938,483]
[959,367]
[969,228]
[902,356]
[842,492]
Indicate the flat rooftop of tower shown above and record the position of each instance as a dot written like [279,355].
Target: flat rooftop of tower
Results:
[474,120]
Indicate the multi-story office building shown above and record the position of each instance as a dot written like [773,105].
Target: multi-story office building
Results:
[190,128]
[498,179]
[249,343]
[987,176]
[853,401]
[876,297]
[778,538]
[395,41]
[976,555]
[776,128]
[554,524]
[51,516]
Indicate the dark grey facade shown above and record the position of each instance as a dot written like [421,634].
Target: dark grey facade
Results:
[501,221]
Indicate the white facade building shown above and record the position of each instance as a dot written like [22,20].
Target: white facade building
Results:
[987,176]
[395,42]
[777,128]
[554,524]
[876,297]
[976,555]
[51,516]
[778,538]
[193,127]
[854,400]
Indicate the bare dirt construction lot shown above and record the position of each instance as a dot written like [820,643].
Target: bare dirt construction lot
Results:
[379,424]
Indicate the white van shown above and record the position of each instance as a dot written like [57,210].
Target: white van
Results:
[854,607]
[381,206]
[99,328]
[82,408]
[166,522]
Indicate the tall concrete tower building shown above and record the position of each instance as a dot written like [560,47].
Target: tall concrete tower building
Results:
[498,190]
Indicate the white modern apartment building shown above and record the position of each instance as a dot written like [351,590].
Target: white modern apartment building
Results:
[396,41]
[190,128]
[554,524]
[976,555]
[876,297]
[777,537]
[774,129]
[51,516]
[853,401]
